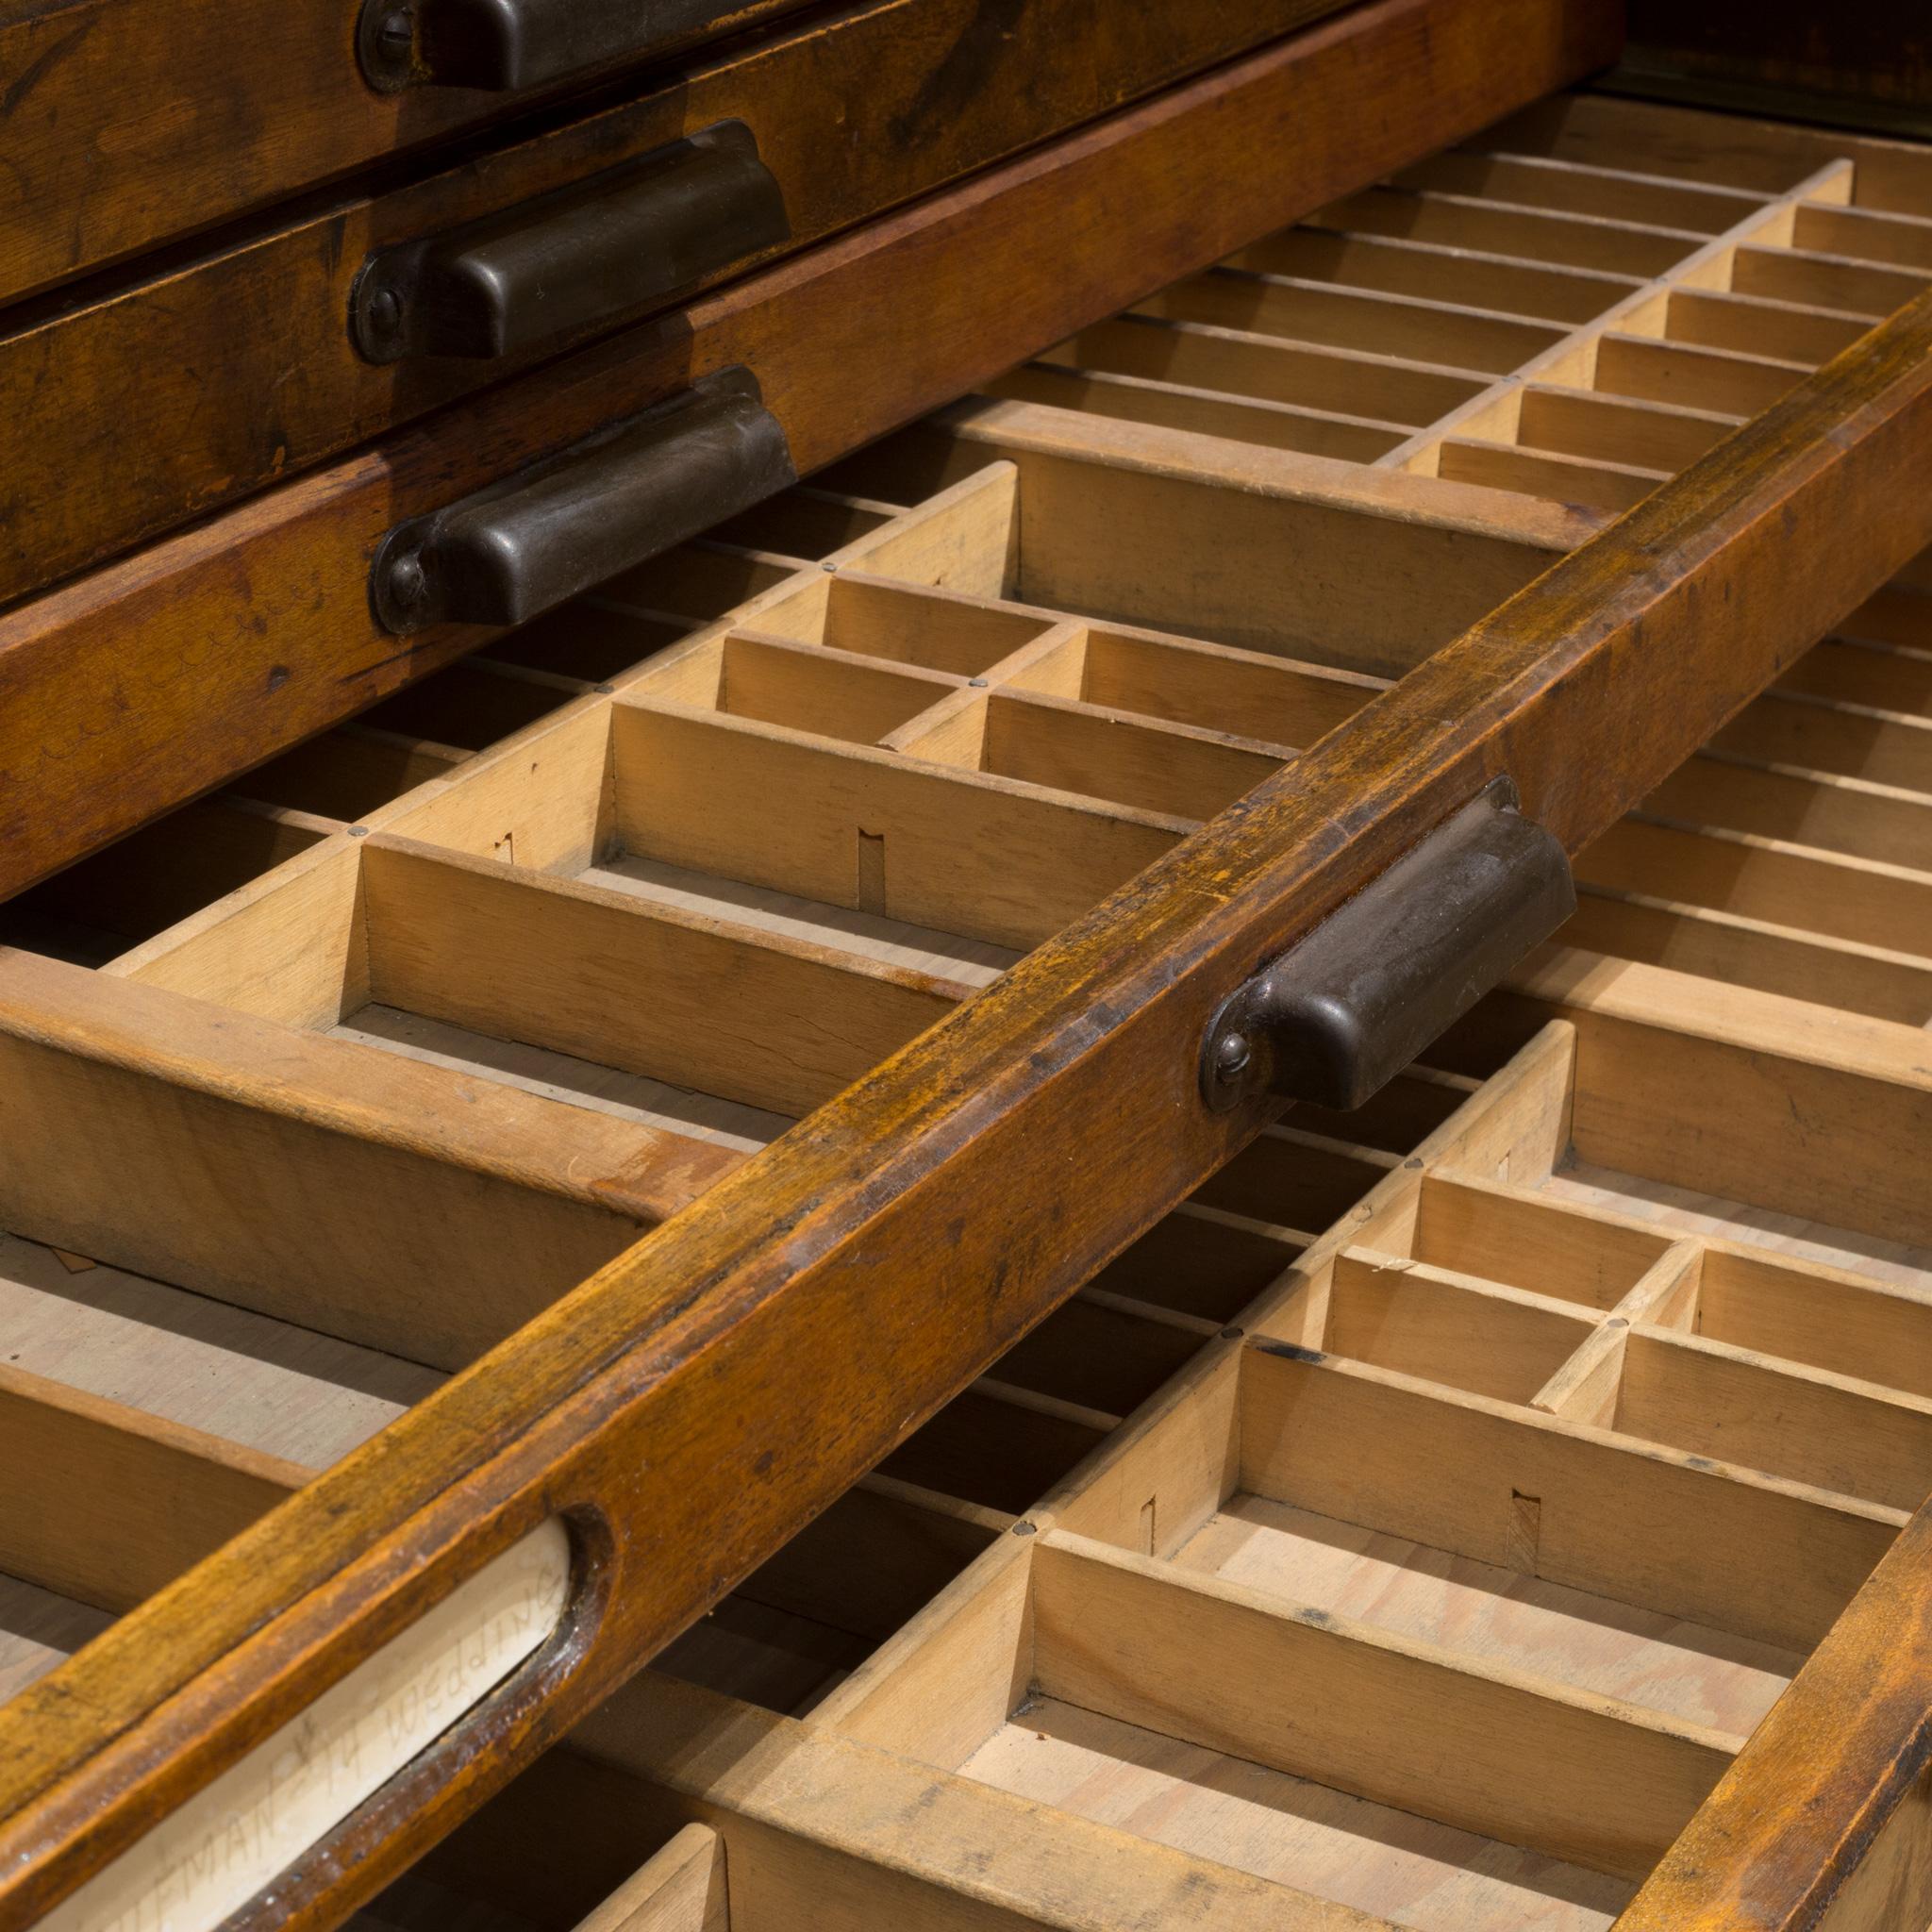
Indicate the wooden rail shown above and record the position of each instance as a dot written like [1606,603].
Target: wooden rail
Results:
[1826,1818]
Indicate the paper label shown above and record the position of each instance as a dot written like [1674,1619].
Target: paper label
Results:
[230,1841]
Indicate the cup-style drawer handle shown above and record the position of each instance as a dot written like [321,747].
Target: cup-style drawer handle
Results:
[567,260]
[1336,1018]
[524,545]
[505,45]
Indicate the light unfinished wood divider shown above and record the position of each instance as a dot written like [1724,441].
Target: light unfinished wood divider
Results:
[1574,305]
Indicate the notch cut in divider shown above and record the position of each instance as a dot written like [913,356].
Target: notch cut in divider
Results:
[1758,1557]
[236,1836]
[1589,1779]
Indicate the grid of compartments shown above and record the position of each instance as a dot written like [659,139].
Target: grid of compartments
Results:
[506,1012]
[466,931]
[1576,304]
[833,767]
[1440,1586]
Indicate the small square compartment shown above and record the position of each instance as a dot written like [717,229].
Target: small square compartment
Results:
[1427,1321]
[902,624]
[772,681]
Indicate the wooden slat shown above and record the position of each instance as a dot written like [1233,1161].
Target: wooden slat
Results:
[1766,1559]
[1728,1094]
[1431,272]
[106,1504]
[1589,1780]
[222,1153]
[610,977]
[826,1818]
[1309,312]
[806,1285]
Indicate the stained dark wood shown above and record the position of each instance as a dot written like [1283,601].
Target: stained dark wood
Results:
[149,681]
[237,370]
[1868,65]
[129,121]
[845,1283]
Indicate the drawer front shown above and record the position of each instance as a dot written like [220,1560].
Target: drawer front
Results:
[1489,1503]
[257,100]
[256,628]
[312,334]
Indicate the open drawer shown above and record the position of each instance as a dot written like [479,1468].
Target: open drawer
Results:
[681,1139]
[1443,1585]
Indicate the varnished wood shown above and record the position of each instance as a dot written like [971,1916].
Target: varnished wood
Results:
[1870,66]
[1825,1821]
[236,369]
[958,1131]
[213,650]
[264,98]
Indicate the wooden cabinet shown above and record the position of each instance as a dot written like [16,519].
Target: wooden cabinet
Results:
[187,380]
[625,1302]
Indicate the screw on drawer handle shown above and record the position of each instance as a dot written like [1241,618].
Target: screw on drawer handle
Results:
[565,261]
[502,46]
[521,547]
[1335,1019]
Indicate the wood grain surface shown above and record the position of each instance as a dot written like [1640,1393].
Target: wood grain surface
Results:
[235,370]
[143,684]
[132,121]
[1825,1819]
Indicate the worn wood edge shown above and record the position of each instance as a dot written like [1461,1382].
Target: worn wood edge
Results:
[1813,1792]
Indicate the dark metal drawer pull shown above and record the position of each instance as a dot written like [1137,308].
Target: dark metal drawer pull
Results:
[1336,1019]
[521,547]
[567,260]
[505,45]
